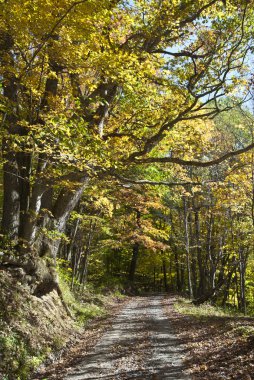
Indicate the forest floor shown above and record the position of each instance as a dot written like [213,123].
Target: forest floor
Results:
[220,346]
[151,338]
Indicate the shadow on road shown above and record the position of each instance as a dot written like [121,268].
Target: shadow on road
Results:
[139,345]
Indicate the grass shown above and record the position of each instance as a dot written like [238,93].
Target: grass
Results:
[83,306]
[245,331]
[186,307]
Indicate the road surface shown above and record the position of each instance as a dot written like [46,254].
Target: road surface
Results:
[140,344]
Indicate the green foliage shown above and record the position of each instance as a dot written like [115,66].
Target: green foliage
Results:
[18,360]
[84,304]
[245,331]
[86,312]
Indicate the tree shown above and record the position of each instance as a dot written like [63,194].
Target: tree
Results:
[91,90]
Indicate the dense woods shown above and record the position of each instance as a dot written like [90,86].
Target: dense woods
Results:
[127,157]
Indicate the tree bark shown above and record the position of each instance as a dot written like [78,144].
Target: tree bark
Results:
[11,197]
[242,271]
[84,261]
[187,247]
[135,252]
[201,286]
[133,264]
[165,280]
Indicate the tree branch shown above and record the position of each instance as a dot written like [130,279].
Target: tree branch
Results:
[202,164]
[148,182]
[183,53]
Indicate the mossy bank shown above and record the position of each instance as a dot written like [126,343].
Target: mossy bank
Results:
[33,329]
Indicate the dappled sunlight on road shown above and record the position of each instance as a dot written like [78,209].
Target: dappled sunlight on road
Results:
[139,345]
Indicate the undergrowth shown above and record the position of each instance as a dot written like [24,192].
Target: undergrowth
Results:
[186,307]
[84,305]
[18,359]
[30,331]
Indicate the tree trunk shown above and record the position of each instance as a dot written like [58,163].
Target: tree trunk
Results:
[187,247]
[133,263]
[73,237]
[84,261]
[177,268]
[201,286]
[210,258]
[193,257]
[135,252]
[165,275]
[242,270]
[11,198]
[64,205]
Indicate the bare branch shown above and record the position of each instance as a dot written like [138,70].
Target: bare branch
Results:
[148,182]
[183,53]
[202,164]
[132,181]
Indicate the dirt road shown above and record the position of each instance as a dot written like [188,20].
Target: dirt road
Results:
[139,345]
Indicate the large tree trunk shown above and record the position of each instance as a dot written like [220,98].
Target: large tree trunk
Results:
[11,197]
[64,205]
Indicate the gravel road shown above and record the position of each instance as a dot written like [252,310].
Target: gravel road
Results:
[139,345]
